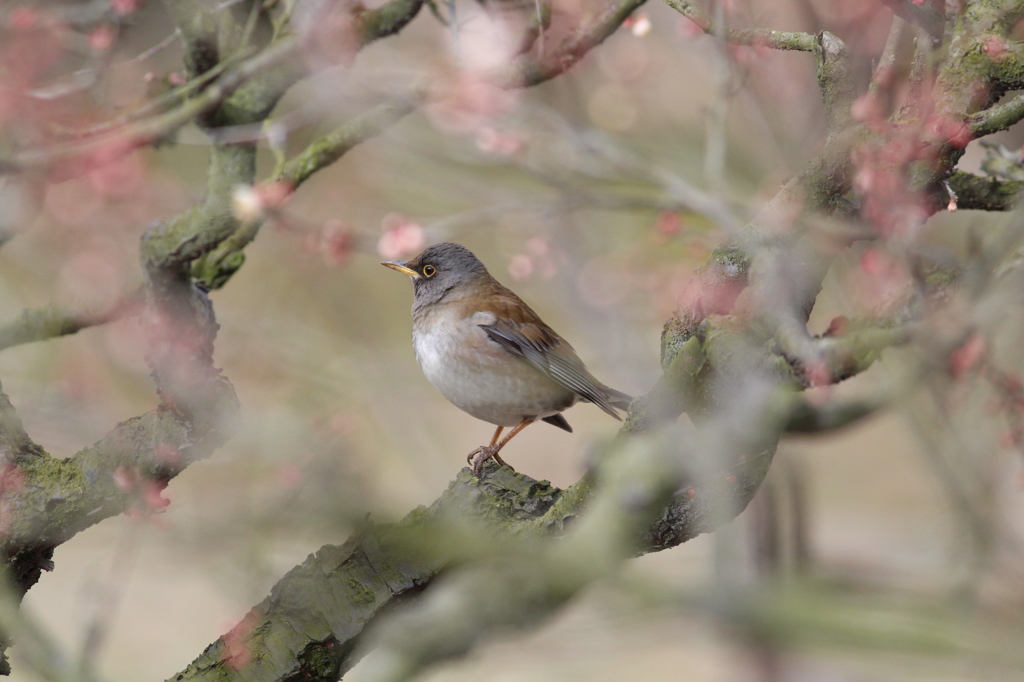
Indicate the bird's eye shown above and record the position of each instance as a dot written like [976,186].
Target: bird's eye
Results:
[429,270]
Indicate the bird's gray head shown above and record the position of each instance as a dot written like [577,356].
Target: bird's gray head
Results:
[440,269]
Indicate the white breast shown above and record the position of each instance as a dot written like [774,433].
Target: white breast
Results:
[477,375]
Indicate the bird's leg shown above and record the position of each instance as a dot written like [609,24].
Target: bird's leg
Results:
[484,453]
[498,433]
[497,457]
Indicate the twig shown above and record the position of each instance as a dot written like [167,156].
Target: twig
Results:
[716,147]
[327,149]
[919,14]
[526,70]
[132,136]
[779,40]
[52,321]
[883,70]
[996,118]
[83,78]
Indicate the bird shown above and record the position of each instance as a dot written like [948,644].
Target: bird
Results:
[490,354]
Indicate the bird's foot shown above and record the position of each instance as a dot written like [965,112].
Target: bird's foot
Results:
[479,457]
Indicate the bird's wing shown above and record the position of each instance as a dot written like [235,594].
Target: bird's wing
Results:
[534,341]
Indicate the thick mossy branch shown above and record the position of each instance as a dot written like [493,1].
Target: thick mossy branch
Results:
[327,603]
[516,588]
[55,499]
[16,448]
[779,40]
[62,497]
[331,598]
[837,86]
[705,355]
[985,194]
[199,230]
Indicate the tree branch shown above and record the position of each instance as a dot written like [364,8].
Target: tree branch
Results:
[132,136]
[996,118]
[985,194]
[779,40]
[919,14]
[262,79]
[332,146]
[527,70]
[316,615]
[52,321]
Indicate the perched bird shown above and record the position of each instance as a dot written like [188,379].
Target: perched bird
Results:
[489,353]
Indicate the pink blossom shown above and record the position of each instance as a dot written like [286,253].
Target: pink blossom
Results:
[492,141]
[21,18]
[995,47]
[868,109]
[881,283]
[117,175]
[336,242]
[668,223]
[520,267]
[463,104]
[967,356]
[343,423]
[102,38]
[401,237]
[538,245]
[151,496]
[275,194]
[688,28]
[639,24]
[288,475]
[123,8]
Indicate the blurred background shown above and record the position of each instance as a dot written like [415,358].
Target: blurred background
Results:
[566,192]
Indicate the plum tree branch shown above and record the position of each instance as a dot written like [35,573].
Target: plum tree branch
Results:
[527,70]
[919,14]
[326,150]
[313,620]
[779,40]
[985,194]
[316,616]
[39,324]
[134,135]
[999,117]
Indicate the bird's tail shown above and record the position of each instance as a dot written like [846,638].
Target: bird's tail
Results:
[618,398]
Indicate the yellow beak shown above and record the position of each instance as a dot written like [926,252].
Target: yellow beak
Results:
[401,266]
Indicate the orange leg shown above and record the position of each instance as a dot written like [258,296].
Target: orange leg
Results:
[497,457]
[477,458]
[498,433]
